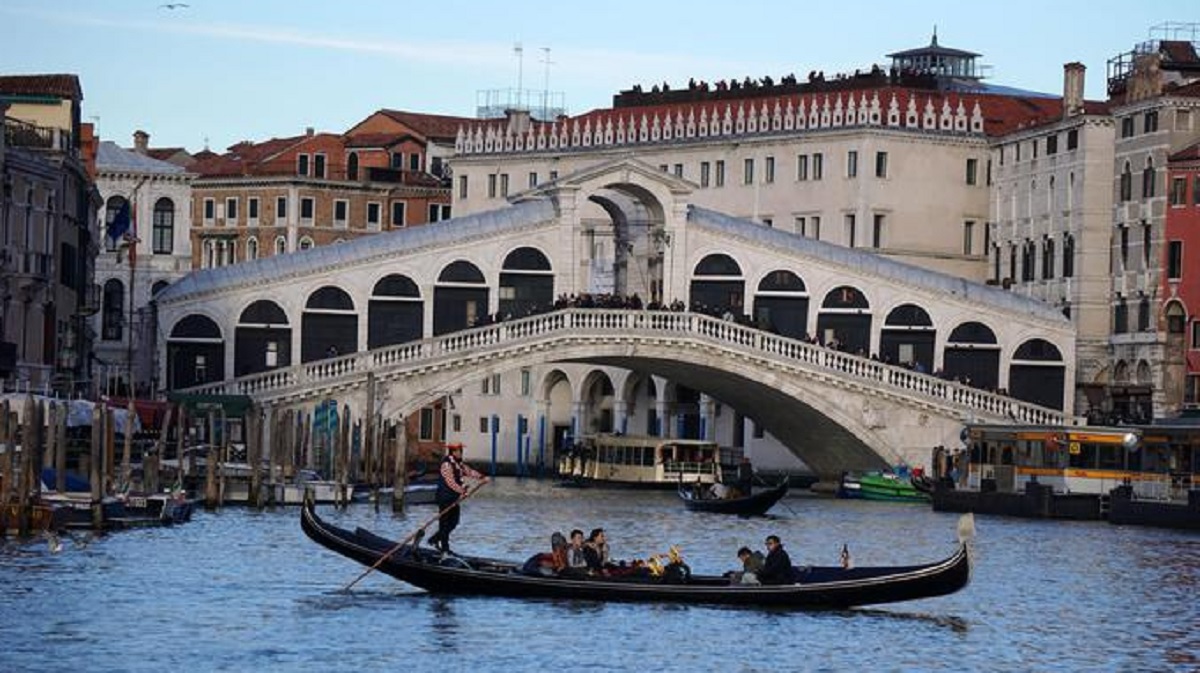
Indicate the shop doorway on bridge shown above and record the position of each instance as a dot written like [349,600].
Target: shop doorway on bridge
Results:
[262,339]
[460,298]
[526,283]
[329,325]
[972,356]
[625,242]
[845,321]
[1037,374]
[907,338]
[395,312]
[781,304]
[718,287]
[195,353]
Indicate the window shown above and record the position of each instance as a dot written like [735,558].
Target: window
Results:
[352,166]
[1072,139]
[802,167]
[851,225]
[663,167]
[504,184]
[341,209]
[1047,258]
[720,178]
[1178,195]
[815,221]
[1127,127]
[462,187]
[1012,261]
[678,170]
[1124,247]
[307,206]
[1148,180]
[164,226]
[852,164]
[210,210]
[251,248]
[1068,256]
[398,214]
[818,166]
[252,210]
[280,245]
[526,383]
[1150,122]
[373,214]
[1143,317]
[1052,145]
[425,431]
[553,176]
[769,170]
[1196,189]
[306,243]
[881,161]
[1175,260]
[1147,235]
[877,231]
[280,209]
[414,161]
[397,162]
[438,212]
[483,424]
[1126,183]
[492,185]
[533,179]
[969,237]
[1196,334]
[272,354]
[113,304]
[318,165]
[800,225]
[302,164]
[972,170]
[748,172]
[231,211]
[705,173]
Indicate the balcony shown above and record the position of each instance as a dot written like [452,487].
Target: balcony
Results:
[23,134]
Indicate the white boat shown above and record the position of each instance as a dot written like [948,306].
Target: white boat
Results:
[647,462]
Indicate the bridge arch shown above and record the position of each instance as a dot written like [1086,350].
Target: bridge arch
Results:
[781,303]
[526,282]
[262,339]
[718,285]
[597,397]
[395,312]
[328,325]
[907,337]
[195,352]
[460,297]
[556,396]
[845,320]
[1037,373]
[972,353]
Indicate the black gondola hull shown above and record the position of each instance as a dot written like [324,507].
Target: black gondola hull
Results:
[753,505]
[817,587]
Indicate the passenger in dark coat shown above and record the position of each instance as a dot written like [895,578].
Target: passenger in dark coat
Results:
[777,569]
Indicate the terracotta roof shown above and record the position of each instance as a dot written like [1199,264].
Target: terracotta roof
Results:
[63,86]
[163,153]
[240,159]
[1190,90]
[1189,153]
[1179,52]
[434,127]
[376,139]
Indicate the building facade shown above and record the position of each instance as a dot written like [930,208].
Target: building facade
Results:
[1181,280]
[47,234]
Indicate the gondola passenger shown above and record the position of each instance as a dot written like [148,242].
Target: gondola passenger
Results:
[777,568]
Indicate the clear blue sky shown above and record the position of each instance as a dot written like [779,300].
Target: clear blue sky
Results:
[228,70]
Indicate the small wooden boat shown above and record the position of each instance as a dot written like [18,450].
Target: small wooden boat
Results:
[880,486]
[755,504]
[814,587]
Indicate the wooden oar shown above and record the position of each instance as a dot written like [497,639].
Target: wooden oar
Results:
[466,494]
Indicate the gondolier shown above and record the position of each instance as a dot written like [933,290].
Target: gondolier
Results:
[452,485]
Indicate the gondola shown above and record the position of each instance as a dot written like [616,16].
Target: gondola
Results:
[815,587]
[756,504]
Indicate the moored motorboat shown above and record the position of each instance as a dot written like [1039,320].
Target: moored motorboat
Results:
[880,486]
[813,587]
[755,504]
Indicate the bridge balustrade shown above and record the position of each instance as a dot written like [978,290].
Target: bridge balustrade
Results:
[634,323]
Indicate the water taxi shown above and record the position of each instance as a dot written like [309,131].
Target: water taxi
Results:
[646,462]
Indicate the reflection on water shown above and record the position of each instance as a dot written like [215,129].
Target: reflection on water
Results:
[239,590]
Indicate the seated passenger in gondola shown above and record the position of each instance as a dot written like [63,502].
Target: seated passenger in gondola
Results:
[752,563]
[777,568]
[595,551]
[549,563]
[576,560]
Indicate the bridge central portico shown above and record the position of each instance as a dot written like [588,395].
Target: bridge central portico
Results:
[830,350]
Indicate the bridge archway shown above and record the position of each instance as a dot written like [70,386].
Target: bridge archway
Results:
[460,298]
[395,312]
[195,352]
[526,283]
[781,304]
[907,337]
[1037,374]
[626,252]
[972,354]
[845,319]
[555,395]
[597,398]
[718,285]
[262,339]
[329,324]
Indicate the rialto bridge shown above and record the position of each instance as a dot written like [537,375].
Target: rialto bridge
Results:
[795,335]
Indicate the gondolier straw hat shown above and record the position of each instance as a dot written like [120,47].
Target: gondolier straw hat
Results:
[453,446]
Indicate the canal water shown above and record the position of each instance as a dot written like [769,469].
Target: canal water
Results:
[242,590]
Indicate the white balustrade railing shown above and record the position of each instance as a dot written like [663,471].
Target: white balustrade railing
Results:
[628,324]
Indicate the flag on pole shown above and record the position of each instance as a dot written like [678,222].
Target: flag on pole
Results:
[120,222]
[131,238]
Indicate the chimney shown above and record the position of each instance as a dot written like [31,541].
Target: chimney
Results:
[1073,88]
[308,131]
[141,141]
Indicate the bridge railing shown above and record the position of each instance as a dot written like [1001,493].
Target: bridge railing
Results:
[638,323]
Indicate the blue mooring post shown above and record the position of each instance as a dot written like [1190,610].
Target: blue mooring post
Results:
[541,444]
[528,444]
[495,441]
[522,468]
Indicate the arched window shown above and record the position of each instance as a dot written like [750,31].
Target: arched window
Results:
[114,301]
[1068,256]
[352,166]
[280,245]
[1148,179]
[164,226]
[251,248]
[1126,183]
[306,243]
